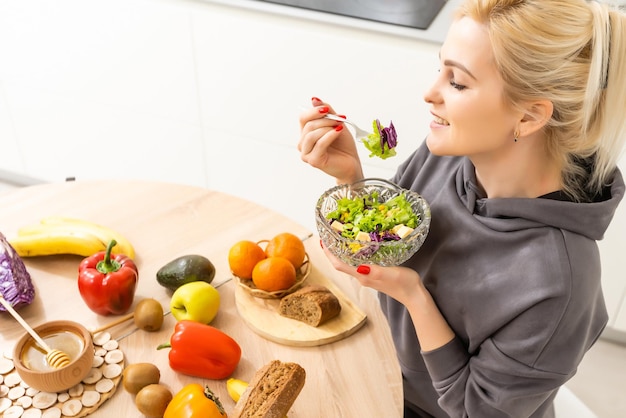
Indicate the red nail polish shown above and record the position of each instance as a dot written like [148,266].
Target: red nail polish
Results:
[315,99]
[338,128]
[363,269]
[321,244]
[342,116]
[323,109]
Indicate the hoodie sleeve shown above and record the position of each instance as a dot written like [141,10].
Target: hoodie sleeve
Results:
[489,384]
[517,370]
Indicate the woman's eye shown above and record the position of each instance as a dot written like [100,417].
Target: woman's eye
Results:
[457,86]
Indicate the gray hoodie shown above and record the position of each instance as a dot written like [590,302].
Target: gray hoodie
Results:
[518,280]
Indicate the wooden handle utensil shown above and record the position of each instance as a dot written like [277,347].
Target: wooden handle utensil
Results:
[56,358]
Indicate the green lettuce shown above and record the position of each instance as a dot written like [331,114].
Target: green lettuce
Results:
[382,142]
[367,214]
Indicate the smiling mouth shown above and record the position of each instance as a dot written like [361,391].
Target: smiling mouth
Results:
[441,121]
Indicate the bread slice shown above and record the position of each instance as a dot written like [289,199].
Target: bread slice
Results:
[271,392]
[311,304]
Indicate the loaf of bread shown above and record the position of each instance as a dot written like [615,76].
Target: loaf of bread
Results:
[311,304]
[271,392]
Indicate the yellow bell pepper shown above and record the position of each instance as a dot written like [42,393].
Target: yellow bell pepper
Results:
[235,388]
[194,401]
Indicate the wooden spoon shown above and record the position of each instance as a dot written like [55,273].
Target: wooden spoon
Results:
[56,358]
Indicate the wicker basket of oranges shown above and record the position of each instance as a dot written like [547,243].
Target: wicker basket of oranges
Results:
[272,268]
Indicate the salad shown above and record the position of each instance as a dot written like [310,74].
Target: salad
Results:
[365,218]
[382,142]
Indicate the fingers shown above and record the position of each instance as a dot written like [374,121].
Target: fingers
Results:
[327,145]
[318,110]
[317,136]
[316,102]
[396,282]
[317,132]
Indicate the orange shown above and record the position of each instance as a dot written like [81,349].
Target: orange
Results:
[243,256]
[288,246]
[273,274]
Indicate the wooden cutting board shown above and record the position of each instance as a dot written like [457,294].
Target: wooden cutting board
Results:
[262,316]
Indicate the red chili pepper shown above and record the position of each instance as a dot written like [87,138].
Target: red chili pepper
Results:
[107,282]
[203,351]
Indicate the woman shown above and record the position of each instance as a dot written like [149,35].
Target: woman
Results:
[496,310]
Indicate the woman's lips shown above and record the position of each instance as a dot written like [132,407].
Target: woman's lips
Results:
[441,121]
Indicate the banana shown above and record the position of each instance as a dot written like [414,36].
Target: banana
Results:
[103,233]
[57,242]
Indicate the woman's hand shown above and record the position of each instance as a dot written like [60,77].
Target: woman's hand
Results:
[399,283]
[404,285]
[327,145]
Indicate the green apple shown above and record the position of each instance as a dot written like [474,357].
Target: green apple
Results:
[195,301]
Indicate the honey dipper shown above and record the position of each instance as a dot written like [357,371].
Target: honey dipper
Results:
[55,358]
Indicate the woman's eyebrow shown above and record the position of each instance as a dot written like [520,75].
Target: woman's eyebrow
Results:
[451,63]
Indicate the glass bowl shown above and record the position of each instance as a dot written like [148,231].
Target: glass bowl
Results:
[383,253]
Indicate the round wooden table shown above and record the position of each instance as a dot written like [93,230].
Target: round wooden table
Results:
[357,376]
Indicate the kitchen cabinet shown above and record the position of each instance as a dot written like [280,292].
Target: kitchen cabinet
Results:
[101,89]
[207,93]
[200,93]
[253,87]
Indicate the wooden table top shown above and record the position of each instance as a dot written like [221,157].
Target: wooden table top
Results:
[355,377]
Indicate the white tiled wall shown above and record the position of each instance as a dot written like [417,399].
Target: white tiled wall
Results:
[206,94]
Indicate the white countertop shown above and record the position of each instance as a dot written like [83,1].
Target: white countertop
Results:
[436,32]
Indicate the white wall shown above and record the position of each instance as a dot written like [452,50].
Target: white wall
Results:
[206,94]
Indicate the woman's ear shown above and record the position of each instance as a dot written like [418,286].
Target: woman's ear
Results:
[535,117]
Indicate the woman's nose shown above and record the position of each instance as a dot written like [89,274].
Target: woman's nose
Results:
[431,95]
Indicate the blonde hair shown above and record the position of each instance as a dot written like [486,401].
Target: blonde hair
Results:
[573,53]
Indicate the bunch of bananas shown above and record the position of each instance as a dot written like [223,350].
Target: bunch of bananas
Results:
[60,235]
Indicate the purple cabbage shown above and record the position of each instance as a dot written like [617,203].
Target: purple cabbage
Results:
[384,236]
[377,237]
[388,135]
[368,250]
[16,285]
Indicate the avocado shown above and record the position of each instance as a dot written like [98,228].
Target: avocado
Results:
[185,269]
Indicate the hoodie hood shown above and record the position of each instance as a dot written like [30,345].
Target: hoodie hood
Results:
[588,219]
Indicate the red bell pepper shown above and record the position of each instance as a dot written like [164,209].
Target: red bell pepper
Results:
[107,282]
[201,350]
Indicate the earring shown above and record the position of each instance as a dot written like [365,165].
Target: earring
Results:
[515,136]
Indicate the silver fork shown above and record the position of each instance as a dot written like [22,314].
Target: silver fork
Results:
[359,133]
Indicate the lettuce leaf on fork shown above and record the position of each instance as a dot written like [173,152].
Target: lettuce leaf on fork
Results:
[382,141]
